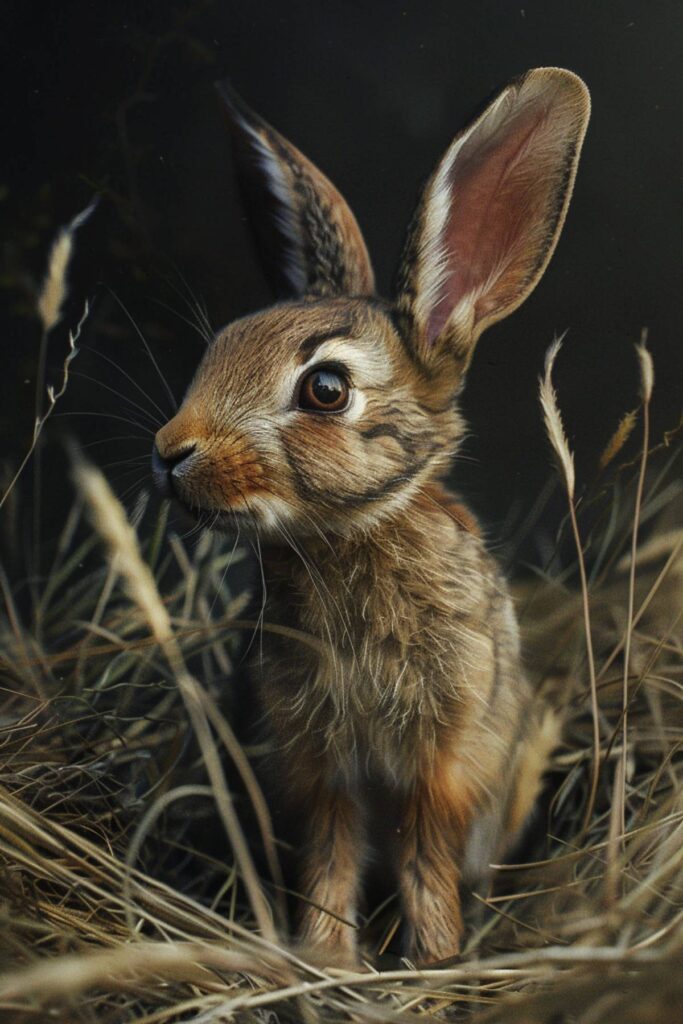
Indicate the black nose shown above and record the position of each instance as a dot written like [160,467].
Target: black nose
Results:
[162,468]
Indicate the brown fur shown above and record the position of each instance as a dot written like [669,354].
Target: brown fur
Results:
[413,698]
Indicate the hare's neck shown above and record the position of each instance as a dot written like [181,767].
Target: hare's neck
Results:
[405,577]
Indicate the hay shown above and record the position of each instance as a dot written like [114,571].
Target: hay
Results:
[140,876]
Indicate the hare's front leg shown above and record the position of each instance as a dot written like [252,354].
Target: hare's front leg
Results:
[331,872]
[434,823]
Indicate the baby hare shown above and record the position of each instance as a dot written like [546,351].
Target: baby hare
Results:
[389,668]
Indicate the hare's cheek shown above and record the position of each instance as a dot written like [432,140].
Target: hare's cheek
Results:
[233,475]
[337,463]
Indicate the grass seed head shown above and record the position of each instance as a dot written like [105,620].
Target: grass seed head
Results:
[553,420]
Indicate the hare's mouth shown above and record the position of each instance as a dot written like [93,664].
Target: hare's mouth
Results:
[246,518]
[218,520]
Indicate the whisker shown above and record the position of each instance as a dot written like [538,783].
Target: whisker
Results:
[118,394]
[148,350]
[110,416]
[118,437]
[136,486]
[225,571]
[199,321]
[192,324]
[193,530]
[256,548]
[117,366]
[126,462]
[321,588]
[193,303]
[127,472]
[261,615]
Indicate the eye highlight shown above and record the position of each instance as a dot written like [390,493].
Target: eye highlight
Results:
[324,390]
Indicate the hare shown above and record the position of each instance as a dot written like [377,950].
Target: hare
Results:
[389,668]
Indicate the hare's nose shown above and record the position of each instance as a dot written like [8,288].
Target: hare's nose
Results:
[164,465]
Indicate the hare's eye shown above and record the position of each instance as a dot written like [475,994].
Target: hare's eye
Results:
[324,390]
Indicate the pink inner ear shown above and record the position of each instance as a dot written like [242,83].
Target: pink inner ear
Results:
[501,186]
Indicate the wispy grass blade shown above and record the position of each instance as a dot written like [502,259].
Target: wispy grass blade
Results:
[121,899]
[558,440]
[111,523]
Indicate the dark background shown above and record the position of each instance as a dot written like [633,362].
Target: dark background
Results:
[117,99]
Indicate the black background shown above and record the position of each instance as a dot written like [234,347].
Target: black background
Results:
[117,98]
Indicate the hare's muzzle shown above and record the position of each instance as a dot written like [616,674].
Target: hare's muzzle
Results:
[166,466]
[206,471]
[173,446]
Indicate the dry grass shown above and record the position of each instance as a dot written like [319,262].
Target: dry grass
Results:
[140,876]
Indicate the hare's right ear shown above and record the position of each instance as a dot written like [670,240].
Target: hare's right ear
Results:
[308,239]
[491,214]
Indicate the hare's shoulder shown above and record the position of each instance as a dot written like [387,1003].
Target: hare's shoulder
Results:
[437,494]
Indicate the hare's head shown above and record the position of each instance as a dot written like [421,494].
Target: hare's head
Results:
[329,410]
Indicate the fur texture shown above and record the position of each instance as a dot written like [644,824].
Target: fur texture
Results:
[412,698]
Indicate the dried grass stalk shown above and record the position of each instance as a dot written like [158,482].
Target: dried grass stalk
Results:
[53,397]
[132,966]
[558,440]
[646,383]
[589,923]
[111,523]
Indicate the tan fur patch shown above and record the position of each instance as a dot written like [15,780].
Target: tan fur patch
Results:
[458,511]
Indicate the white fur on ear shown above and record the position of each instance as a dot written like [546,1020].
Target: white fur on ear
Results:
[292,264]
[434,258]
[492,212]
[308,238]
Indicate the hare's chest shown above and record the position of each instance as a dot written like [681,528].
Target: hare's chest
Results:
[377,696]
[383,663]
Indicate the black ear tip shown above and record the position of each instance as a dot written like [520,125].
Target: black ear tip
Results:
[225,89]
[239,112]
[229,95]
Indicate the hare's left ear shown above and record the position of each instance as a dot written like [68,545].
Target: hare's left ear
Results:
[491,214]
[308,239]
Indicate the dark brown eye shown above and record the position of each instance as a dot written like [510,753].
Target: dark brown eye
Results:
[324,391]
